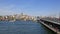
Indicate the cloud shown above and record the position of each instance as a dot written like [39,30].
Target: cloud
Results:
[8,10]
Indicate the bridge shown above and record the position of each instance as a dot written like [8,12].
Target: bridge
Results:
[52,24]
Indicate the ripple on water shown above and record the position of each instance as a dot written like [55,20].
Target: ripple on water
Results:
[22,27]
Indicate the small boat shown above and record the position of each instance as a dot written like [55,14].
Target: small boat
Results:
[12,20]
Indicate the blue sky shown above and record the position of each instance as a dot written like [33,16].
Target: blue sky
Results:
[30,7]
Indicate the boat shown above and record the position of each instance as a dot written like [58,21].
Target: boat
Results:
[12,20]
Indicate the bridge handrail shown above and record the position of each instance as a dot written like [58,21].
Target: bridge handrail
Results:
[52,21]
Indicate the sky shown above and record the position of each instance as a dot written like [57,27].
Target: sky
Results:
[30,7]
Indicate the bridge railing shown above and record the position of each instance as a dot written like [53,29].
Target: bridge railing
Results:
[52,19]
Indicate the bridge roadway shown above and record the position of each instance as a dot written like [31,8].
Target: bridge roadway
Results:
[49,26]
[52,21]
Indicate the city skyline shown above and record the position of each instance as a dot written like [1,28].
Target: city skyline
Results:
[30,7]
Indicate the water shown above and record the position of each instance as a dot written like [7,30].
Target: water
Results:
[23,27]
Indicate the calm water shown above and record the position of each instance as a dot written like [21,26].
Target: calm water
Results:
[23,27]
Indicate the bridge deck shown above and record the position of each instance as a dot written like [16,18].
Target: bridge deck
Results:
[52,21]
[50,28]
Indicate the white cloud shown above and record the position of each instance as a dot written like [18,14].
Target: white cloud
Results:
[7,10]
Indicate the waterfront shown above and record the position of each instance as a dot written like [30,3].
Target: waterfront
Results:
[23,27]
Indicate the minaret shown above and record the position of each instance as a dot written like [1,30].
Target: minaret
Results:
[21,14]
[59,15]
